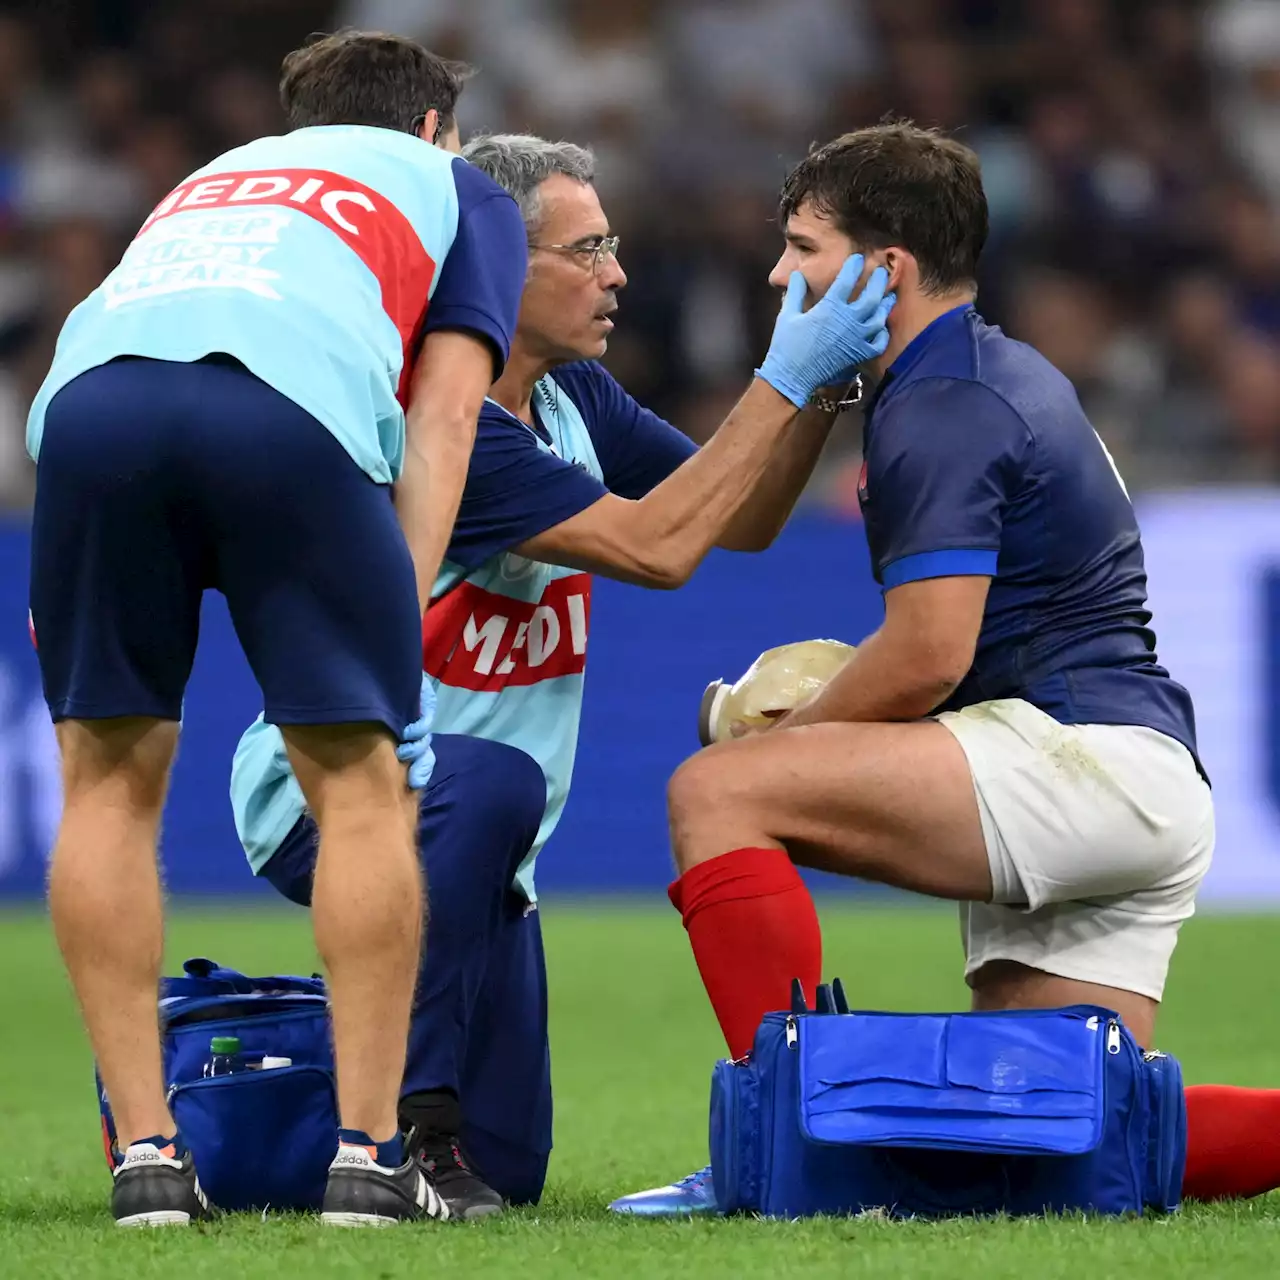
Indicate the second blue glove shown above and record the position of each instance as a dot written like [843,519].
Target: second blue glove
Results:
[415,746]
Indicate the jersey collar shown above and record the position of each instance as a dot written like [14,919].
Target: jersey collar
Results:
[937,330]
[538,428]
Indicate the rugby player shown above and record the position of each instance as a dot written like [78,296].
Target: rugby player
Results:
[569,477]
[225,411]
[1007,738]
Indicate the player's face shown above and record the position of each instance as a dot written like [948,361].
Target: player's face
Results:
[817,249]
[571,291]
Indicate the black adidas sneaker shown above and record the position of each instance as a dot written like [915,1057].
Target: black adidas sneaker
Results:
[454,1181]
[431,1123]
[154,1187]
[363,1193]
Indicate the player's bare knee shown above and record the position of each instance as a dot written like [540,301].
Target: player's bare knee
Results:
[703,791]
[696,786]
[123,761]
[335,748]
[350,769]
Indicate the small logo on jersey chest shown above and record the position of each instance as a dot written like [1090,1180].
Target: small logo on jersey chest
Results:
[513,567]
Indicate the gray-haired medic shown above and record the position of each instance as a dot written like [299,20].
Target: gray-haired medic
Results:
[569,477]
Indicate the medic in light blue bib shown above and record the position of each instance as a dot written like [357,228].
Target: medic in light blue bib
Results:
[312,258]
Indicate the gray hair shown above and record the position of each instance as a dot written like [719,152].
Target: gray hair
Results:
[520,163]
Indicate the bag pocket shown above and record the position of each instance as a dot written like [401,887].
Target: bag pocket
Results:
[962,1082]
[261,1138]
[296,1028]
[735,1136]
[1167,1136]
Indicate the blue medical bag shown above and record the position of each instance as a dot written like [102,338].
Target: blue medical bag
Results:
[261,1138]
[931,1115]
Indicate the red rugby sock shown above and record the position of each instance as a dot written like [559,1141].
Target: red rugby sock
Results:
[1233,1142]
[753,928]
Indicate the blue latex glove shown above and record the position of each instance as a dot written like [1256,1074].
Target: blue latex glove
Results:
[415,747]
[818,347]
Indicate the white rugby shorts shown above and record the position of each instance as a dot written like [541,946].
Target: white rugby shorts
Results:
[1098,837]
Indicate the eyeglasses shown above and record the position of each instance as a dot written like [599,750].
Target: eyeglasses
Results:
[590,253]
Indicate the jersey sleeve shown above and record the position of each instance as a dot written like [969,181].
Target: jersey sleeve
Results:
[514,490]
[637,449]
[943,465]
[483,273]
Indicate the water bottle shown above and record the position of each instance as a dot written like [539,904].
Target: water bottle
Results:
[224,1056]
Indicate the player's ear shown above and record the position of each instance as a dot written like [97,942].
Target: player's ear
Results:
[895,261]
[430,127]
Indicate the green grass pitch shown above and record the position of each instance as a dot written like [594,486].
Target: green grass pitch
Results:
[633,1044]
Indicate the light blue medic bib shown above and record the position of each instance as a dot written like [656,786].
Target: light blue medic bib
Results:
[308,257]
[505,645]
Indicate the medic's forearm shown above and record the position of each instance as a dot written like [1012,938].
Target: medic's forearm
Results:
[681,519]
[769,505]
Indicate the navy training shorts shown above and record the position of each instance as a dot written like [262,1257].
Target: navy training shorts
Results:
[157,480]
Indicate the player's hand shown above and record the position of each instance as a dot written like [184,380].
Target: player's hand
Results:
[746,728]
[813,348]
[415,746]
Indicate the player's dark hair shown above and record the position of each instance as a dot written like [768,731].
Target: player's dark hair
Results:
[367,77]
[897,184]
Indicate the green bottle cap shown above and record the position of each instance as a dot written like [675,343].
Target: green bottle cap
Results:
[224,1044]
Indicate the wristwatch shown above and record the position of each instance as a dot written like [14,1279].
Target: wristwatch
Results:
[850,396]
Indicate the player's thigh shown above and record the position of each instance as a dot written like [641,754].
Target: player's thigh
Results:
[888,802]
[1114,951]
[118,559]
[1082,812]
[1111,952]
[1099,837]
[506,1081]
[311,558]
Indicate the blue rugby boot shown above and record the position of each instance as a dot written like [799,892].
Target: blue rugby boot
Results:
[693,1194]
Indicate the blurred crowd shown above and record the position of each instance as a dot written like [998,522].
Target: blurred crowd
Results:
[1131,153]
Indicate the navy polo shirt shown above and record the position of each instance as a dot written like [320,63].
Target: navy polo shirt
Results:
[980,460]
